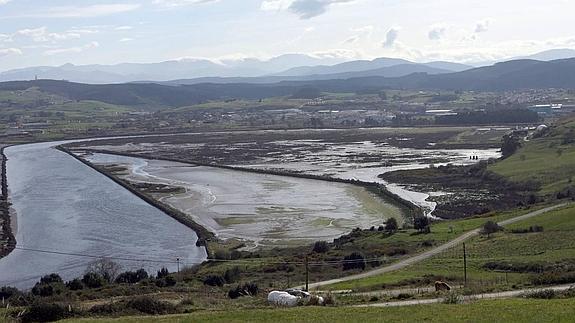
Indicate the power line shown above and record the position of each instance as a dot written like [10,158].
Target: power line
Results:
[242,261]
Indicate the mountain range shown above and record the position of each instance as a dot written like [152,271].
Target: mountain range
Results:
[289,67]
[512,75]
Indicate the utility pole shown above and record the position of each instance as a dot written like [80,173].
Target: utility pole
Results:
[178,261]
[306,274]
[464,266]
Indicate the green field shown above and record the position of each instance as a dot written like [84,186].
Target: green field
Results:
[511,310]
[555,245]
[549,160]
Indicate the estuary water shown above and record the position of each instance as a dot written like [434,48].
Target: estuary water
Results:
[67,214]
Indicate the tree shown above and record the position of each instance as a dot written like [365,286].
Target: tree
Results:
[321,247]
[491,227]
[509,145]
[93,280]
[391,225]
[421,223]
[354,260]
[106,268]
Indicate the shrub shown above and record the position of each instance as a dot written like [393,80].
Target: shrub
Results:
[491,227]
[541,294]
[6,292]
[214,280]
[167,281]
[45,312]
[52,278]
[162,273]
[148,305]
[249,289]
[421,223]
[321,247]
[93,280]
[453,298]
[131,277]
[232,275]
[75,284]
[354,260]
[391,225]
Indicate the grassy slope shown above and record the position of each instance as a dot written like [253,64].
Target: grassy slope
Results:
[512,310]
[546,160]
[555,244]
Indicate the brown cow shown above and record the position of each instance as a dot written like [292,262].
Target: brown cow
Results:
[441,286]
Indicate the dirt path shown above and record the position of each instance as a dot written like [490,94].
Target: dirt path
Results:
[509,294]
[430,253]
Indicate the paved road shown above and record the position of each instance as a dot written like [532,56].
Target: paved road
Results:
[430,253]
[509,294]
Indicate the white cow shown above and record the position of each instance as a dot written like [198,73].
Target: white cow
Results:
[282,299]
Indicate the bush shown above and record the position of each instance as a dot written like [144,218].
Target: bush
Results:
[45,312]
[232,275]
[421,223]
[148,305]
[391,225]
[75,284]
[321,247]
[162,273]
[249,289]
[167,281]
[491,227]
[93,280]
[6,292]
[131,277]
[541,294]
[453,298]
[214,280]
[354,260]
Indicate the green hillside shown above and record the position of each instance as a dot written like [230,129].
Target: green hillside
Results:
[549,159]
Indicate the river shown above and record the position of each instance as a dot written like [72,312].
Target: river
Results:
[64,207]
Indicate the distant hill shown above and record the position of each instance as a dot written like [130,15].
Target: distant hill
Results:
[513,75]
[391,71]
[290,67]
[165,71]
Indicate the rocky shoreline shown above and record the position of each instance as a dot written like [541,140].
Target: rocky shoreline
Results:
[7,239]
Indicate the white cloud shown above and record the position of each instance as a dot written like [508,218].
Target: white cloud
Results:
[305,9]
[391,37]
[437,32]
[81,11]
[180,3]
[482,26]
[127,39]
[124,28]
[10,51]
[4,2]
[42,35]
[69,50]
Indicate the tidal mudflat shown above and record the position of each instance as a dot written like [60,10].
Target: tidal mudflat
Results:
[258,209]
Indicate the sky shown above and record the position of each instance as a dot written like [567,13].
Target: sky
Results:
[56,32]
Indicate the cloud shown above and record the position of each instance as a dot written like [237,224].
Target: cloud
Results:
[81,11]
[124,28]
[180,3]
[482,26]
[305,9]
[391,37]
[69,50]
[42,35]
[127,39]
[4,2]
[10,51]
[437,32]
